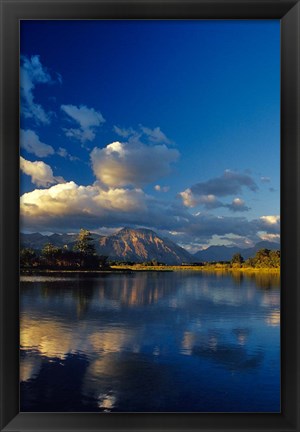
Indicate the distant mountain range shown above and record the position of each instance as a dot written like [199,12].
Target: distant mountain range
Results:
[142,245]
[37,241]
[225,253]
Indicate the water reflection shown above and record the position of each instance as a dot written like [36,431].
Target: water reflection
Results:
[242,335]
[273,319]
[235,358]
[30,366]
[150,342]
[46,337]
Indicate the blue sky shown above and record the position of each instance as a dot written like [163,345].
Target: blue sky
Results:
[169,125]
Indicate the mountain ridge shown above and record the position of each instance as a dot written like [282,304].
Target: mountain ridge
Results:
[140,245]
[225,253]
[143,245]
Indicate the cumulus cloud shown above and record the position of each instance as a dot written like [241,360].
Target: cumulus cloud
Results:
[270,224]
[189,200]
[135,164]
[238,205]
[41,174]
[229,183]
[211,202]
[271,220]
[32,72]
[70,205]
[270,237]
[88,120]
[30,141]
[192,200]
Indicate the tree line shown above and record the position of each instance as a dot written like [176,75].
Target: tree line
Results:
[264,258]
[82,256]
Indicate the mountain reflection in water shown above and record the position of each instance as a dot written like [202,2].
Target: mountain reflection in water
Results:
[150,342]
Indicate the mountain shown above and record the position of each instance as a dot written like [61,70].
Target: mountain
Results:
[37,241]
[140,245]
[137,245]
[225,253]
[217,253]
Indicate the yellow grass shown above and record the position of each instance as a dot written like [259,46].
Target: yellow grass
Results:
[205,268]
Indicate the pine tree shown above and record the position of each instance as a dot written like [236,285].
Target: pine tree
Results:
[85,243]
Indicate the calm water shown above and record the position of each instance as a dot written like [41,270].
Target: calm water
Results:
[151,342]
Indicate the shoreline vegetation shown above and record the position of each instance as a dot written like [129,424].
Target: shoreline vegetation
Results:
[140,268]
[84,259]
[204,268]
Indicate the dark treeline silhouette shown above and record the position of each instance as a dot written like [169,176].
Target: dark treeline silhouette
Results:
[82,256]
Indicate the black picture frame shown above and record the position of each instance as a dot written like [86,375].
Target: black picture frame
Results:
[289,13]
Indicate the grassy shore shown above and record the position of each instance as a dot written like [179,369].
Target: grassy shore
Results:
[204,268]
[124,268]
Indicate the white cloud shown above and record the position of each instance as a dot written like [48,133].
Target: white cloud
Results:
[68,206]
[237,205]
[32,72]
[238,202]
[80,134]
[211,202]
[208,201]
[67,203]
[86,117]
[124,133]
[155,135]
[30,141]
[188,198]
[270,237]
[265,179]
[269,224]
[41,174]
[62,152]
[88,120]
[207,193]
[123,164]
[271,219]
[159,188]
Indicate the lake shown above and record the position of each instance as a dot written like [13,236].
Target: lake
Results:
[150,342]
